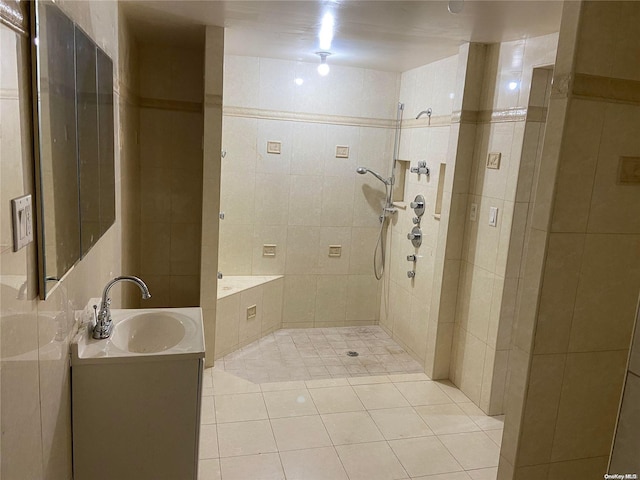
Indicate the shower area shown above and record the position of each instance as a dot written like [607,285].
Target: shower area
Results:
[306,201]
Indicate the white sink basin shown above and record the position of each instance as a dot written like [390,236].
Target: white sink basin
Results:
[150,332]
[158,333]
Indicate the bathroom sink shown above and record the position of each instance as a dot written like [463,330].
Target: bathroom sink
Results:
[150,332]
[143,334]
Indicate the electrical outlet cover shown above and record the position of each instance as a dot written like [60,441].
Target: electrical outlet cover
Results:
[473,214]
[335,250]
[251,312]
[268,250]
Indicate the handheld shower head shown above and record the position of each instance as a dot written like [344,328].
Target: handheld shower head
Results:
[363,170]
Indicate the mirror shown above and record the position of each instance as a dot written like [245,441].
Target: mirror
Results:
[74,143]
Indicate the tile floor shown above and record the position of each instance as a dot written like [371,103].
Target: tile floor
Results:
[383,427]
[317,353]
[345,426]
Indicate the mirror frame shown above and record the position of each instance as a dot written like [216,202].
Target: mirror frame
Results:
[74,157]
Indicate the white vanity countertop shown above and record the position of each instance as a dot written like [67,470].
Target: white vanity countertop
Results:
[87,350]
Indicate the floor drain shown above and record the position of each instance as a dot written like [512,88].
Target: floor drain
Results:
[351,353]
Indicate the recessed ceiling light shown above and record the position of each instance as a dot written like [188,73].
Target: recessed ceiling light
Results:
[299,81]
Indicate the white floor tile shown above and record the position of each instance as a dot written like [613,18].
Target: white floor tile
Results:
[484,474]
[472,450]
[424,456]
[423,393]
[209,469]
[289,403]
[245,438]
[313,464]
[336,399]
[240,407]
[208,442]
[370,461]
[384,395]
[444,419]
[351,427]
[254,467]
[397,423]
[297,433]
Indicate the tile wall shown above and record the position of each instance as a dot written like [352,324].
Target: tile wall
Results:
[581,278]
[509,123]
[171,93]
[212,145]
[624,457]
[35,334]
[405,305]
[305,199]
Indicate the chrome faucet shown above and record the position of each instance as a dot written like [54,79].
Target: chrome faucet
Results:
[104,325]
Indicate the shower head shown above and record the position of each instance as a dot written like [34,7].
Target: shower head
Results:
[363,170]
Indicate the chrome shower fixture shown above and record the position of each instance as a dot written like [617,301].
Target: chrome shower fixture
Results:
[426,112]
[363,170]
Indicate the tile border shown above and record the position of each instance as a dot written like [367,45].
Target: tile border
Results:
[607,89]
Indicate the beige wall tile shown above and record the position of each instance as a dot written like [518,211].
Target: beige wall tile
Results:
[608,289]
[362,298]
[269,235]
[584,468]
[576,174]
[331,299]
[271,199]
[558,295]
[588,404]
[227,325]
[614,208]
[541,408]
[185,248]
[156,248]
[250,328]
[334,236]
[299,299]
[239,137]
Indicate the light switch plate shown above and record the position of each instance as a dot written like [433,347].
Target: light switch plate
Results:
[335,250]
[22,222]
[493,216]
[342,151]
[493,160]
[473,214]
[274,147]
[251,312]
[268,250]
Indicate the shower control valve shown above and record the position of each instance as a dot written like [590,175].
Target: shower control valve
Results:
[418,205]
[421,169]
[415,236]
[411,274]
[412,258]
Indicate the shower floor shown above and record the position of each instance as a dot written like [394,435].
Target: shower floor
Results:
[319,353]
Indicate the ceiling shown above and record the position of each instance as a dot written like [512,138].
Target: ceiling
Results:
[380,34]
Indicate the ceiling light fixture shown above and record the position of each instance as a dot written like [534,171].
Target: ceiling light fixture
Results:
[323,68]
[299,81]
